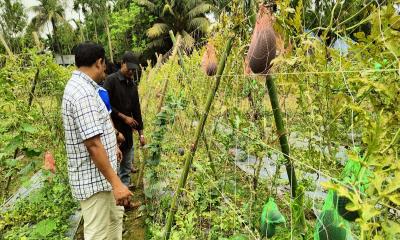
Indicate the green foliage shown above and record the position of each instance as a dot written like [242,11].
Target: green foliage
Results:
[329,101]
[67,37]
[127,28]
[182,17]
[25,130]
[164,118]
[43,215]
[49,11]
[13,20]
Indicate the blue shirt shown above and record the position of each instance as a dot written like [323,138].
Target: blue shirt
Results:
[104,96]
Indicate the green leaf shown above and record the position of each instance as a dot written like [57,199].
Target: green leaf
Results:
[199,10]
[31,152]
[239,237]
[298,16]
[395,199]
[11,163]
[391,228]
[13,144]
[44,228]
[26,127]
[393,185]
[369,211]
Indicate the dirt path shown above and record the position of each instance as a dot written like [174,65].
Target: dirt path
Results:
[134,221]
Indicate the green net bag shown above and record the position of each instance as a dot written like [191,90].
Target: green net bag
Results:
[354,174]
[330,225]
[270,217]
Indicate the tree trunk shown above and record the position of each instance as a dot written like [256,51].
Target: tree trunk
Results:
[95,30]
[55,39]
[109,40]
[8,50]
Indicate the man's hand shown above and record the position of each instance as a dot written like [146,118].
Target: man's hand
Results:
[120,138]
[130,121]
[122,194]
[119,155]
[142,140]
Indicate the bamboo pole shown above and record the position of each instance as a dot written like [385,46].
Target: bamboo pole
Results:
[273,96]
[165,85]
[204,138]
[144,155]
[200,128]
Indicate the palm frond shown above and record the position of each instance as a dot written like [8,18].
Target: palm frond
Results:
[156,43]
[193,3]
[200,23]
[36,9]
[146,3]
[200,10]
[60,18]
[167,9]
[158,29]
[39,21]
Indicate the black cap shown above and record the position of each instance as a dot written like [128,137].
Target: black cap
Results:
[131,60]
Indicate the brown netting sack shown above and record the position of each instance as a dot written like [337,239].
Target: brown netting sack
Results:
[263,43]
[209,63]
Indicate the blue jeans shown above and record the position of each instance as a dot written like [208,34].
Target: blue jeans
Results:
[125,168]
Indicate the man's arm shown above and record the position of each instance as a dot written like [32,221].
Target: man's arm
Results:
[137,114]
[127,120]
[99,157]
[109,86]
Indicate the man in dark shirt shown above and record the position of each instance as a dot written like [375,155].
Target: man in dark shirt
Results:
[126,114]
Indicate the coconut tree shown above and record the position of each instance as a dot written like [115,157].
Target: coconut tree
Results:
[186,18]
[12,22]
[99,9]
[48,11]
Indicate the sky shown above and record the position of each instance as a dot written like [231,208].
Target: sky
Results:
[67,4]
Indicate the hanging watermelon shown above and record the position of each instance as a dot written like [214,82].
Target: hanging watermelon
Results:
[263,42]
[330,229]
[209,63]
[354,174]
[346,214]
[330,224]
[270,217]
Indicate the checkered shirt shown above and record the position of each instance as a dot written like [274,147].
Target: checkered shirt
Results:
[84,116]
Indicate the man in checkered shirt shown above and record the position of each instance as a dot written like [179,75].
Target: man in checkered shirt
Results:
[92,148]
